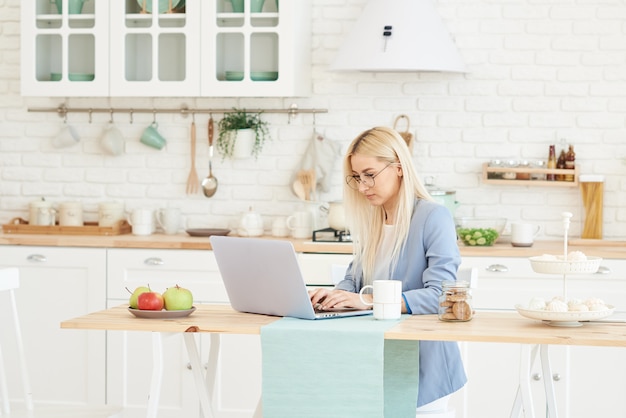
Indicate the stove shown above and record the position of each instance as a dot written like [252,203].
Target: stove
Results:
[331,235]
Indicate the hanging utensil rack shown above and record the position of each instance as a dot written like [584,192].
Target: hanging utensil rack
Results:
[62,110]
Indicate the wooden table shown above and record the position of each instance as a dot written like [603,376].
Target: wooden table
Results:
[497,327]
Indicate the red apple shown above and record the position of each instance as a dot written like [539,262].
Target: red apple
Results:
[150,301]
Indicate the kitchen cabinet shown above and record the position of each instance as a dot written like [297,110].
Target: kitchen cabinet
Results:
[586,379]
[65,366]
[320,269]
[202,49]
[256,54]
[64,54]
[129,355]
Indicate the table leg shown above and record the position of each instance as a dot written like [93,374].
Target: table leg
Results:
[198,376]
[547,381]
[213,366]
[157,375]
[523,399]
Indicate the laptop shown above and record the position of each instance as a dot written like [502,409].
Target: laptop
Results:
[263,276]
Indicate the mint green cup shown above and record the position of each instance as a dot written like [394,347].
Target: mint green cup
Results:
[75,6]
[152,138]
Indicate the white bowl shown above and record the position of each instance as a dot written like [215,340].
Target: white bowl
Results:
[590,265]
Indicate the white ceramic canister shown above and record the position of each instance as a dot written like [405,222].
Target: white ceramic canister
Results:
[110,214]
[41,213]
[71,214]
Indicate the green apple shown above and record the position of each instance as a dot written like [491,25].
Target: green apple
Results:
[177,298]
[135,295]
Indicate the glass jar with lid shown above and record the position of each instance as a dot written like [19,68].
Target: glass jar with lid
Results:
[455,302]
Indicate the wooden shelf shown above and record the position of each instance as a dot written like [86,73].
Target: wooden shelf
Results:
[518,182]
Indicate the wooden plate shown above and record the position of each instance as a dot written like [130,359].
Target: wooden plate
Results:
[207,232]
[161,314]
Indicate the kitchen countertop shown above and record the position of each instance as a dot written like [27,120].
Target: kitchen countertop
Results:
[599,248]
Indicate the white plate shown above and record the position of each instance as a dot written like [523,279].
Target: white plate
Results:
[563,319]
[565,267]
[161,314]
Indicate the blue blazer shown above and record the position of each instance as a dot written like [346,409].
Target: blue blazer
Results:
[430,256]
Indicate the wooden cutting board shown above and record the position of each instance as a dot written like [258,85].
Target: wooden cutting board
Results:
[20,226]
[596,242]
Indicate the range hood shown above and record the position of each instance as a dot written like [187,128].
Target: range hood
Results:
[399,36]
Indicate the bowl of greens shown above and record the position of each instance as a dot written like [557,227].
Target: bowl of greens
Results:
[479,232]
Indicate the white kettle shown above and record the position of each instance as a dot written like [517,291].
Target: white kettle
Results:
[251,224]
[337,216]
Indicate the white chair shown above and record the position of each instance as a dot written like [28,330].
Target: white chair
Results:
[9,281]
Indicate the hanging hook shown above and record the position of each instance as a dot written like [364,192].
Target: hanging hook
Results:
[314,122]
[90,114]
[62,111]
[131,115]
[153,115]
[111,115]
[292,112]
[193,117]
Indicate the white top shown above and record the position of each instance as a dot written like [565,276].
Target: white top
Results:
[383,256]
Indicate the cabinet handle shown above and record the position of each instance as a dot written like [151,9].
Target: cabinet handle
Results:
[154,261]
[537,376]
[497,268]
[556,377]
[37,258]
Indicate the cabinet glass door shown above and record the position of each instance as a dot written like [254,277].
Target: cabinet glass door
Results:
[157,50]
[248,47]
[64,46]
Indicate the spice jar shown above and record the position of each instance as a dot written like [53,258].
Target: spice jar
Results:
[455,302]
[523,175]
[510,175]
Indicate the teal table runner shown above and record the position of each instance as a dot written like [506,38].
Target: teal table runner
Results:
[337,368]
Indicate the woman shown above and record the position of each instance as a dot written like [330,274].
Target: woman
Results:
[399,233]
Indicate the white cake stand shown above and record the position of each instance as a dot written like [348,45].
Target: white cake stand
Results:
[564,267]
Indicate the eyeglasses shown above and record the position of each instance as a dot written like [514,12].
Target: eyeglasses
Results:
[366,179]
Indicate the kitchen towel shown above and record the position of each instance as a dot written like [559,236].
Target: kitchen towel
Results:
[337,368]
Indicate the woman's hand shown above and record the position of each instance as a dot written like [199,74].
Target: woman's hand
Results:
[327,299]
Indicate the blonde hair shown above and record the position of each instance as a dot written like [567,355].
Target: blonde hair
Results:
[366,221]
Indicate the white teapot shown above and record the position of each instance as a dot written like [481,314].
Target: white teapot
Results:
[250,224]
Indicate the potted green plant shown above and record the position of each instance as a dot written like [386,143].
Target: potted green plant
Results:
[241,134]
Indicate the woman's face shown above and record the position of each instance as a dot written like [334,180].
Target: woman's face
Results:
[387,179]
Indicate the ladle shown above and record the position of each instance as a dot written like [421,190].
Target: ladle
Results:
[209,184]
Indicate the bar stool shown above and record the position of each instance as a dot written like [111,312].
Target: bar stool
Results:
[9,282]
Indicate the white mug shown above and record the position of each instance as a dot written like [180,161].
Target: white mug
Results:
[111,140]
[71,214]
[300,224]
[387,302]
[66,137]
[169,220]
[142,221]
[279,227]
[110,213]
[41,213]
[523,234]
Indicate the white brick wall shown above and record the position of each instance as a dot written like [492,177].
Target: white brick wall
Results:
[538,73]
